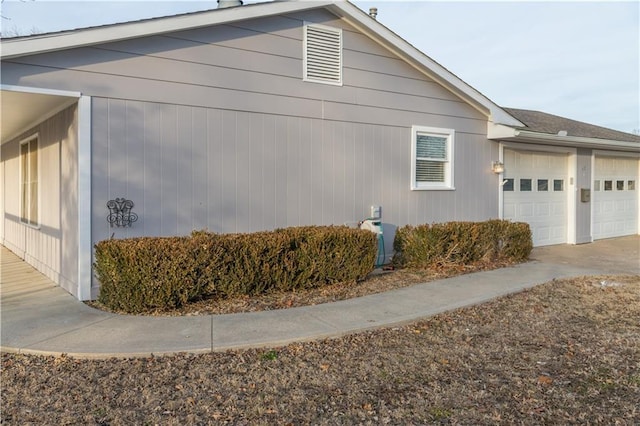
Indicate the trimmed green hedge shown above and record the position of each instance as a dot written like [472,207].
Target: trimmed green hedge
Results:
[461,243]
[144,274]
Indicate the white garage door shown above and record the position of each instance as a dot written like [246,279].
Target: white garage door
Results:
[535,191]
[615,197]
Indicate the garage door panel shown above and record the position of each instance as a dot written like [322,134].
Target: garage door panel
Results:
[615,198]
[543,210]
[559,209]
[559,233]
[543,234]
[605,207]
[526,211]
[509,210]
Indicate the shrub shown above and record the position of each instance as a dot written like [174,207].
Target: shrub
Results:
[461,243]
[147,273]
[144,274]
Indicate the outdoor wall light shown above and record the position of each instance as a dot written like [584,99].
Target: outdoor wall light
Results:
[497,167]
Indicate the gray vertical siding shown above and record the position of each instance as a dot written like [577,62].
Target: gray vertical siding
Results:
[52,247]
[583,210]
[251,171]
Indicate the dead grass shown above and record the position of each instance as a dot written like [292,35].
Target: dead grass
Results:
[566,352]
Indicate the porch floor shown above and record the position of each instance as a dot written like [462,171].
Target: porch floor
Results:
[18,278]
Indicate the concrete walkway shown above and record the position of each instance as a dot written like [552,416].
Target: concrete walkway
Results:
[40,318]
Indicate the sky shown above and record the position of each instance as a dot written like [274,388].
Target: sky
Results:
[579,60]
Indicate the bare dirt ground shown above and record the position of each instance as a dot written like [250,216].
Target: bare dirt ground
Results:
[566,352]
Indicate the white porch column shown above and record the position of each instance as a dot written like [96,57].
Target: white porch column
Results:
[85,248]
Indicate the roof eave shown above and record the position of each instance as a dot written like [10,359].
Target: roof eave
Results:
[509,134]
[123,31]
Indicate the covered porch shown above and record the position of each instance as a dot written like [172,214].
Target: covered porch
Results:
[45,182]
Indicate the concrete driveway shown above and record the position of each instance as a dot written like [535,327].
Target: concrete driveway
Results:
[615,255]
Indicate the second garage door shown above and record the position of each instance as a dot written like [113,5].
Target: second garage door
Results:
[615,197]
[535,191]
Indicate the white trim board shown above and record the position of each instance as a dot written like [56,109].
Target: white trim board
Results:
[85,243]
[39,90]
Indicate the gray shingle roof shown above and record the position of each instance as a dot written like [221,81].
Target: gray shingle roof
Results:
[541,122]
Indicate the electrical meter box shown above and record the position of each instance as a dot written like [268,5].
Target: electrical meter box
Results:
[376,212]
[585,195]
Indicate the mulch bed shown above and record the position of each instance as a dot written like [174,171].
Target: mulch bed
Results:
[377,282]
[566,352]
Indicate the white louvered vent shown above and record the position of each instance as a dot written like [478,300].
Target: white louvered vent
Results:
[322,54]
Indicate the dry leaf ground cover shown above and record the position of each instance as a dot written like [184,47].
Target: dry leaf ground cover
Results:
[566,352]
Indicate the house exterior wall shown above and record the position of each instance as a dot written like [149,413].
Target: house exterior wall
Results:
[215,128]
[52,247]
[583,209]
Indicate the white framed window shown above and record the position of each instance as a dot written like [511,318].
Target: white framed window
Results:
[322,56]
[432,158]
[29,182]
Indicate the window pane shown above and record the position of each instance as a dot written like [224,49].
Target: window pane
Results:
[608,185]
[33,207]
[620,185]
[29,182]
[33,161]
[596,185]
[24,181]
[558,184]
[525,184]
[24,151]
[429,171]
[543,184]
[434,147]
[631,185]
[25,202]
[508,184]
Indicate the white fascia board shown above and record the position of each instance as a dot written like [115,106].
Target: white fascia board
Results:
[116,32]
[39,91]
[604,153]
[505,133]
[428,66]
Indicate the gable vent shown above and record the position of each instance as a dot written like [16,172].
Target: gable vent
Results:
[322,54]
